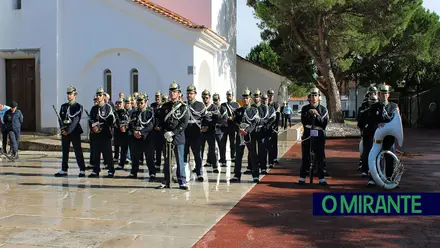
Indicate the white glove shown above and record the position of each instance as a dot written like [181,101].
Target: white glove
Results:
[169,136]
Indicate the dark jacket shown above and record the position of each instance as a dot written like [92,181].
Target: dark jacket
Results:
[248,115]
[71,116]
[231,107]
[196,113]
[308,120]
[103,115]
[212,115]
[176,122]
[13,121]
[142,121]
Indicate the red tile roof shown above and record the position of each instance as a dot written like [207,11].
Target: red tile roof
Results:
[172,15]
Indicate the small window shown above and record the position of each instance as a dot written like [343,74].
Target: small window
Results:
[134,80]
[301,102]
[17,4]
[108,82]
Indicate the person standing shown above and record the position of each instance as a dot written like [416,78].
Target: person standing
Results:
[71,131]
[209,121]
[157,134]
[141,124]
[3,109]
[13,119]
[267,120]
[314,118]
[287,115]
[273,138]
[246,118]
[173,122]
[219,127]
[366,133]
[101,122]
[196,112]
[378,115]
[230,130]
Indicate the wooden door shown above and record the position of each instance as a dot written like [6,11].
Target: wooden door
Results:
[20,87]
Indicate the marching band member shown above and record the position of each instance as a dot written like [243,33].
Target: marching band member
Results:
[313,117]
[267,120]
[220,126]
[141,123]
[256,135]
[230,131]
[209,122]
[122,115]
[246,118]
[380,113]
[196,112]
[101,122]
[273,139]
[71,131]
[367,133]
[157,134]
[173,122]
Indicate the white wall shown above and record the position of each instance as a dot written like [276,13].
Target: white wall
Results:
[3,82]
[253,77]
[224,22]
[197,11]
[34,27]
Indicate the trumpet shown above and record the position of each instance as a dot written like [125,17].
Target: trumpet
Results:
[243,126]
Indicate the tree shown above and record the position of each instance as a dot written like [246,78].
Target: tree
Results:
[333,33]
[413,52]
[264,56]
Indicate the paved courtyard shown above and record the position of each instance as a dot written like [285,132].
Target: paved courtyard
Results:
[37,209]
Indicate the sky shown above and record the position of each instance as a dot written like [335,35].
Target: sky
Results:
[248,34]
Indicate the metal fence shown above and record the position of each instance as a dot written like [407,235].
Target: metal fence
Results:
[421,109]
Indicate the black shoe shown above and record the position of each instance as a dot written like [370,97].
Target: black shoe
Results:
[323,183]
[263,172]
[184,187]
[215,171]
[134,176]
[58,174]
[326,174]
[247,172]
[110,174]
[206,165]
[301,182]
[82,175]
[94,175]
[256,180]
[163,186]
[235,180]
[152,178]
[89,167]
[194,170]
[200,179]
[270,166]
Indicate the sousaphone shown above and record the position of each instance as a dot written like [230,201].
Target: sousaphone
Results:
[393,128]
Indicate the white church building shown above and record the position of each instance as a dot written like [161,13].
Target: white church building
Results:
[122,45]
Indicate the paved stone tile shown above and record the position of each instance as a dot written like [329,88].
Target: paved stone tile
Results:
[39,210]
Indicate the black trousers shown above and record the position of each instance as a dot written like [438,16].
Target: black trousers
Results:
[139,147]
[252,157]
[367,143]
[221,147]
[272,144]
[318,146]
[122,142]
[76,143]
[159,142]
[230,133]
[102,145]
[263,147]
[195,144]
[209,137]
